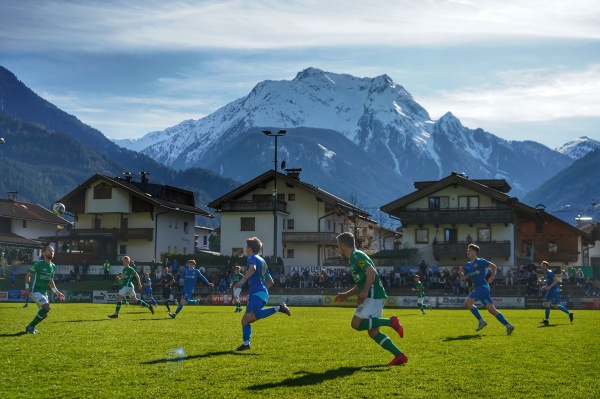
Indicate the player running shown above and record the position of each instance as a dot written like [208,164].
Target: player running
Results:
[37,281]
[235,278]
[127,276]
[476,270]
[188,279]
[167,282]
[147,283]
[260,280]
[421,295]
[370,299]
[552,294]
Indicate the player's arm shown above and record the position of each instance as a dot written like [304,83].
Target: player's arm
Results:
[59,294]
[270,282]
[204,279]
[461,274]
[249,272]
[342,296]
[552,284]
[370,273]
[494,270]
[137,277]
[27,281]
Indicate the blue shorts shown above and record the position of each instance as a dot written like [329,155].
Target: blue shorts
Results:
[483,294]
[553,297]
[147,291]
[187,295]
[255,303]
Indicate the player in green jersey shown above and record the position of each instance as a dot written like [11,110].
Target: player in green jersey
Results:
[421,295]
[37,281]
[235,278]
[370,299]
[127,276]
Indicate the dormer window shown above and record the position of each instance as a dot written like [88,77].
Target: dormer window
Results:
[102,191]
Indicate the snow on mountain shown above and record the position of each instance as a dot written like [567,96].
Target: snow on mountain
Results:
[578,148]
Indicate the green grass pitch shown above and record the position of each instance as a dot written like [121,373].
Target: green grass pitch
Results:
[80,353]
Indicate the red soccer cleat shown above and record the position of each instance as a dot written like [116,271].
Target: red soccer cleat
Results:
[395,324]
[398,360]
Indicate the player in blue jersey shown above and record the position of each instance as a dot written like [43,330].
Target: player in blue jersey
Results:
[147,283]
[552,294]
[188,278]
[476,269]
[260,280]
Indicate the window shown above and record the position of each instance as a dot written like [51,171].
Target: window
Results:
[526,247]
[247,224]
[97,223]
[290,224]
[438,203]
[122,249]
[291,197]
[422,236]
[468,202]
[451,235]
[290,253]
[24,224]
[205,241]
[103,191]
[185,227]
[552,246]
[484,235]
[237,252]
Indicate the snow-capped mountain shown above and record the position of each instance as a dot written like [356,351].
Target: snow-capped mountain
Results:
[578,148]
[377,126]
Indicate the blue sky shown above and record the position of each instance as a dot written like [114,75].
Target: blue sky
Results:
[522,70]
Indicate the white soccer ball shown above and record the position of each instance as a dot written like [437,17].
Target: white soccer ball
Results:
[58,209]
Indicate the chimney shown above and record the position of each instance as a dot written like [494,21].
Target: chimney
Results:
[12,195]
[144,177]
[128,177]
[294,173]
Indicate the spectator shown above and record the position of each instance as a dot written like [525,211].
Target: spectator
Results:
[509,277]
[589,287]
[106,268]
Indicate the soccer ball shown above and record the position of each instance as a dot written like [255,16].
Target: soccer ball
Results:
[58,209]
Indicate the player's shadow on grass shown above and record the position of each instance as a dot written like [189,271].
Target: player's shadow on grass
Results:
[463,337]
[548,325]
[191,357]
[308,378]
[17,334]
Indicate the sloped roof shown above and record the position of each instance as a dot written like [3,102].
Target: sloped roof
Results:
[18,241]
[268,176]
[30,212]
[156,194]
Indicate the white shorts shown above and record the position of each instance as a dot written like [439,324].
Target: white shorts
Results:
[237,292]
[39,298]
[370,308]
[128,292]
[421,300]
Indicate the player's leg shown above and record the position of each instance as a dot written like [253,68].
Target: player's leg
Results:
[254,304]
[120,297]
[43,309]
[184,298]
[364,320]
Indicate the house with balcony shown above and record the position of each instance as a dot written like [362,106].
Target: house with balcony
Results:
[441,217]
[307,218]
[24,225]
[116,216]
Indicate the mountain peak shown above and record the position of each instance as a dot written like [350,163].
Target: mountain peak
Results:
[579,147]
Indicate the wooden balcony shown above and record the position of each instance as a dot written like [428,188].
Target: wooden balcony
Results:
[114,233]
[566,256]
[456,216]
[309,238]
[489,249]
[252,206]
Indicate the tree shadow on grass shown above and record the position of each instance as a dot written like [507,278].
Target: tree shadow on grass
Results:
[173,359]
[463,337]
[309,378]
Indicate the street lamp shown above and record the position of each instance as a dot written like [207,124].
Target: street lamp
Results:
[276,135]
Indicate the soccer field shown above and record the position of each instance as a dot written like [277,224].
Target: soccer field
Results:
[81,353]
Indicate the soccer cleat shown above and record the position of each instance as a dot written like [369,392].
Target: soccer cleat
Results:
[482,323]
[544,322]
[113,316]
[509,329]
[395,324]
[398,360]
[243,347]
[26,305]
[151,308]
[173,315]
[31,329]
[571,317]
[284,309]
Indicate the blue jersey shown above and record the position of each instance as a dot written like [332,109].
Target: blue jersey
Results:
[476,271]
[550,276]
[189,278]
[259,277]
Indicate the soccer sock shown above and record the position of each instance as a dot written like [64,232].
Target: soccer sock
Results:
[562,308]
[179,308]
[41,314]
[367,324]
[168,307]
[547,313]
[192,301]
[143,304]
[501,319]
[118,308]
[154,301]
[475,312]
[261,314]
[246,333]
[386,343]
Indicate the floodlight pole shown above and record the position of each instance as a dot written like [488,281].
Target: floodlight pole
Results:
[275,135]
